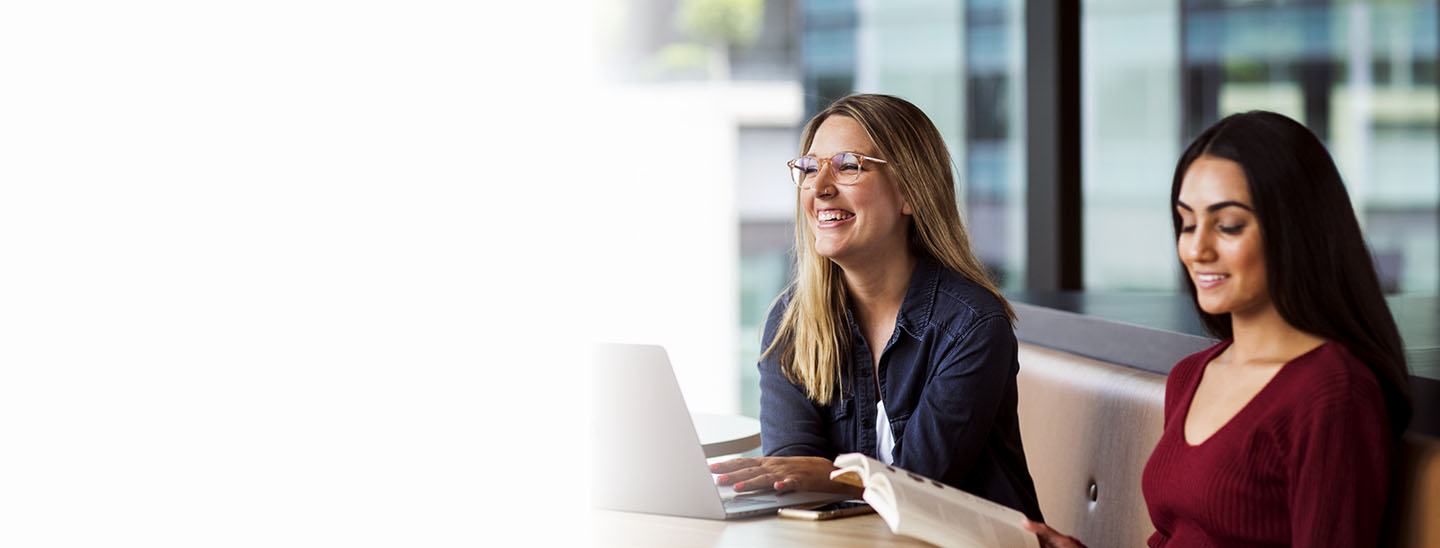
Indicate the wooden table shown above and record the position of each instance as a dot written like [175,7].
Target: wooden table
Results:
[610,528]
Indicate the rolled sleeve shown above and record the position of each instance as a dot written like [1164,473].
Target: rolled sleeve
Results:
[790,424]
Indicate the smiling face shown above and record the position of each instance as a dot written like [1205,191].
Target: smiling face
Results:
[1220,238]
[857,222]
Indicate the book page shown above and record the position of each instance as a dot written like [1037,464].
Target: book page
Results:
[880,497]
[926,509]
[959,521]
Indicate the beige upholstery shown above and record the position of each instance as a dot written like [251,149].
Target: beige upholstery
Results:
[1419,497]
[1087,422]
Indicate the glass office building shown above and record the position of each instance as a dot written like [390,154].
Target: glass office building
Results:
[1361,75]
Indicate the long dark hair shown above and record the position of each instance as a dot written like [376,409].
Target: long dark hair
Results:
[1319,272]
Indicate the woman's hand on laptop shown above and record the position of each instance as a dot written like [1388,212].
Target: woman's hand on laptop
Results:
[780,474]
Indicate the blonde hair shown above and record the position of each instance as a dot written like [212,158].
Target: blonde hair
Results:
[812,338]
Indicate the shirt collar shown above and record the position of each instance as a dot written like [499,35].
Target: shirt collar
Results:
[920,296]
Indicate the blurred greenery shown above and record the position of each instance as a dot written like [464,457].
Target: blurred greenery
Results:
[710,29]
[721,22]
[678,60]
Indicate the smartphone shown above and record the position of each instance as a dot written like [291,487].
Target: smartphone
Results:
[829,511]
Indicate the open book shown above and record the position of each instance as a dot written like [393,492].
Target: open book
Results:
[931,511]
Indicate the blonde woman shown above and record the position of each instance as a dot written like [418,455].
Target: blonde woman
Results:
[892,341]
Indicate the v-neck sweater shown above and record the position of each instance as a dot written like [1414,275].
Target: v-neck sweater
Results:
[1304,463]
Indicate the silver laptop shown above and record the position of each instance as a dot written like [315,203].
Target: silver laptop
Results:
[647,455]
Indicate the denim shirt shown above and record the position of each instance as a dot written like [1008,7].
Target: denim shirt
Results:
[947,377]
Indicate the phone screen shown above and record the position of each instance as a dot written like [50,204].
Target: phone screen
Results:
[842,505]
[829,511]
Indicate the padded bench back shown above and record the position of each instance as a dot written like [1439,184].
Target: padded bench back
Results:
[1089,426]
[1418,499]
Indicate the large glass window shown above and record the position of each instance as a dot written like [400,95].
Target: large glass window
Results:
[1361,75]
[1130,135]
[993,173]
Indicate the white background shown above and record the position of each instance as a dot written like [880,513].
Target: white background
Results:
[308,272]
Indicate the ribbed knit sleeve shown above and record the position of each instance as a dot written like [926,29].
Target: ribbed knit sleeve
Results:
[1337,462]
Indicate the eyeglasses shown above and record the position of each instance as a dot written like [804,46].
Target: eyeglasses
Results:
[805,170]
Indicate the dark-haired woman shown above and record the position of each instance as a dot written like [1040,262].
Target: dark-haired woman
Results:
[1282,433]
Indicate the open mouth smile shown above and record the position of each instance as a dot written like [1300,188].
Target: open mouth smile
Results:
[829,218]
[1207,280]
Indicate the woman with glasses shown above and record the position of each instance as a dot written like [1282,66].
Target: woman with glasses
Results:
[1281,434]
[892,341]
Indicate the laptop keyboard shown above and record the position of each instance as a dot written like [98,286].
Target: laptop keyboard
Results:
[746,501]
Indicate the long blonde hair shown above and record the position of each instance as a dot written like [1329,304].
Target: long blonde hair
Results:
[813,338]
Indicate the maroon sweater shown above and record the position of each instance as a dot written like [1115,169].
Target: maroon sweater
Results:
[1303,464]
